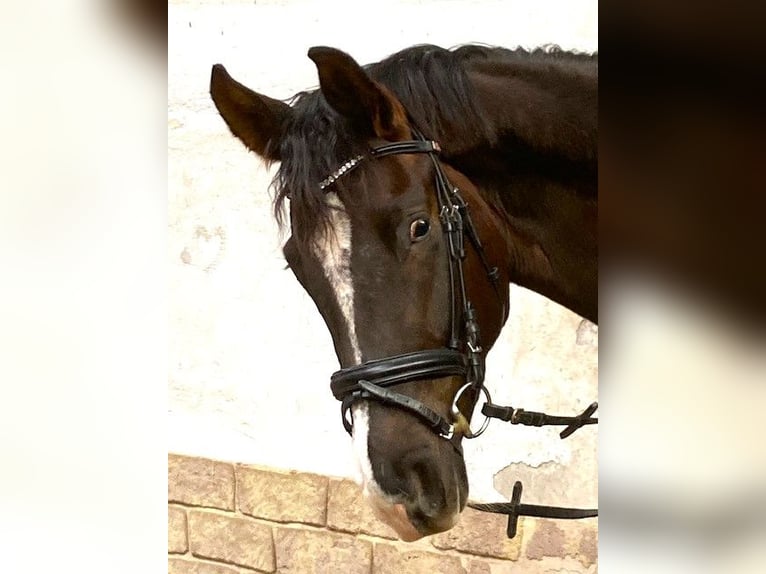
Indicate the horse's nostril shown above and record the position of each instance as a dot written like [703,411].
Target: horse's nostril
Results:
[433,504]
[419,519]
[430,518]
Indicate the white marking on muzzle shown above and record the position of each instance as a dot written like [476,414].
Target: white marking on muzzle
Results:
[361,433]
[385,507]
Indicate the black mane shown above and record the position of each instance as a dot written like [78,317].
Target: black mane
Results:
[315,141]
[432,84]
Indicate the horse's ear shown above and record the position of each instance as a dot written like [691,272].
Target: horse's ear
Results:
[255,119]
[353,94]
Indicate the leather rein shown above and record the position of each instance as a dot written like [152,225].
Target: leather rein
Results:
[462,355]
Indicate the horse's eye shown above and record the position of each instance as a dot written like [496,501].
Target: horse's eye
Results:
[419,229]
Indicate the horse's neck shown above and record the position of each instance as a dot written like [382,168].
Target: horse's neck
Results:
[552,239]
[541,175]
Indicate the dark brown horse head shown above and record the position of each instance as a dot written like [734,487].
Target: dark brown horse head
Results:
[370,250]
[518,133]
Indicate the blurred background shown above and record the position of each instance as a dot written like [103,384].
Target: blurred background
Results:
[682,363]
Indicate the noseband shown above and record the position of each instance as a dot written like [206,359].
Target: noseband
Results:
[462,355]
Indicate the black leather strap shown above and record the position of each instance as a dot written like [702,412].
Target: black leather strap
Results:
[390,371]
[433,419]
[536,419]
[412,146]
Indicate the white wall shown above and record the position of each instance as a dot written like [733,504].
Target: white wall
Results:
[250,358]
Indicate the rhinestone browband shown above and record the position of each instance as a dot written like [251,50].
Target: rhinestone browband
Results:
[342,170]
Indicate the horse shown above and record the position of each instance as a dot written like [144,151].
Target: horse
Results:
[418,188]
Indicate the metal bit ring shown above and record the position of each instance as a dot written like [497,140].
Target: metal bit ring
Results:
[458,415]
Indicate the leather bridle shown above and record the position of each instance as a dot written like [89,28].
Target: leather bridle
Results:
[462,356]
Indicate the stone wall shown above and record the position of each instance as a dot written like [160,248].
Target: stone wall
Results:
[228,518]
